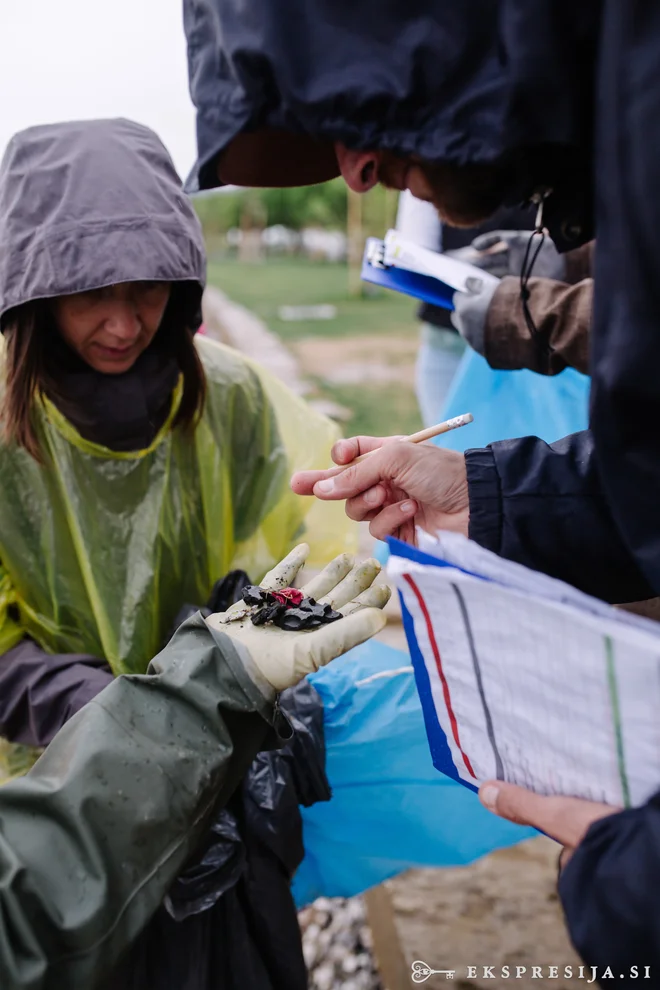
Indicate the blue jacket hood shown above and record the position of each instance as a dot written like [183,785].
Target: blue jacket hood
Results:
[458,81]
[416,78]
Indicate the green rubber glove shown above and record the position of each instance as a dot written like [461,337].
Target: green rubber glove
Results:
[282,657]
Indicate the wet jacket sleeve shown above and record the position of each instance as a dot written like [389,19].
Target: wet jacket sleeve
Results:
[542,505]
[93,836]
[609,891]
[39,691]
[562,316]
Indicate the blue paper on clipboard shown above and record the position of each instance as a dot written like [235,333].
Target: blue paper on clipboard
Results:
[398,264]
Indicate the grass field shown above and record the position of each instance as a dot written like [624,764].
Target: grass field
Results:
[377,407]
[265,287]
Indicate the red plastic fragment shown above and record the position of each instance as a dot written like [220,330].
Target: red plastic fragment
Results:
[288,596]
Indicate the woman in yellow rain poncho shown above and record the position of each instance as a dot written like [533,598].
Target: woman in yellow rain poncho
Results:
[137,466]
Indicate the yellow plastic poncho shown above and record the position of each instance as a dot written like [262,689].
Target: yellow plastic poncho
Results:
[100,549]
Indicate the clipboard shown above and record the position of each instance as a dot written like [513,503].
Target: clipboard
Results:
[525,679]
[398,264]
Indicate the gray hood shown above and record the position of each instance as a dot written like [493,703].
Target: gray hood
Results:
[89,204]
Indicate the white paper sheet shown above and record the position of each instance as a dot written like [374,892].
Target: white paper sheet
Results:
[402,253]
[525,679]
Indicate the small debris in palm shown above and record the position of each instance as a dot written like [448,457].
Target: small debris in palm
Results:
[287,609]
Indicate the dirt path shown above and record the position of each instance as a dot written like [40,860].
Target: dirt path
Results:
[502,910]
[233,324]
[358,360]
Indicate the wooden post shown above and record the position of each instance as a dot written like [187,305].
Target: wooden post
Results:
[355,242]
[253,221]
[394,971]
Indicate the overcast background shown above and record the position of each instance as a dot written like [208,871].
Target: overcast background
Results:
[78,59]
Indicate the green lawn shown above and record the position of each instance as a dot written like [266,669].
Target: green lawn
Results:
[277,282]
[378,410]
[263,288]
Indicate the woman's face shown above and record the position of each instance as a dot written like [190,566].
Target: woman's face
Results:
[109,328]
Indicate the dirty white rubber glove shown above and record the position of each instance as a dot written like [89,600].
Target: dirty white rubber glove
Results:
[509,260]
[283,657]
[470,311]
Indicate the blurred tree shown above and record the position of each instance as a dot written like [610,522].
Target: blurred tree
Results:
[322,205]
[318,206]
[218,211]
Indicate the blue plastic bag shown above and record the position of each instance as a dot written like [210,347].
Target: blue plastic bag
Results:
[390,809]
[508,404]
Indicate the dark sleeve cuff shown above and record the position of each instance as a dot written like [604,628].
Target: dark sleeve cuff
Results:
[485,495]
[39,691]
[608,891]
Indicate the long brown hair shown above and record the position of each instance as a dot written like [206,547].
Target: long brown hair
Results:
[31,372]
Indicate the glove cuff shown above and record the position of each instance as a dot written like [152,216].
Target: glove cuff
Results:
[254,672]
[470,314]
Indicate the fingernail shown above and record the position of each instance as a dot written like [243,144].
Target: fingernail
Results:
[325,487]
[407,507]
[372,496]
[488,796]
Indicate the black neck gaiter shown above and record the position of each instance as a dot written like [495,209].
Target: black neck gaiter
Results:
[123,412]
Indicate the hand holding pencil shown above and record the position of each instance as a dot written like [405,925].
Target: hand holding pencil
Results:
[402,483]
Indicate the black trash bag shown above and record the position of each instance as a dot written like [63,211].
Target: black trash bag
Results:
[218,866]
[229,922]
[226,592]
[281,780]
[221,949]
[277,782]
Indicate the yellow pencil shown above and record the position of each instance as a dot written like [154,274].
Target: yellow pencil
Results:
[428,433]
[420,437]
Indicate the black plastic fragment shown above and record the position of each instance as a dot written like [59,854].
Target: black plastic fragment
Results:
[268,613]
[254,595]
[309,614]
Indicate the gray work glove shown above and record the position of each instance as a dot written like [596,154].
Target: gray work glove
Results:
[508,259]
[471,309]
[280,657]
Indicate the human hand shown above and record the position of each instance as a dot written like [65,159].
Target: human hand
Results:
[397,488]
[508,259]
[565,819]
[284,657]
